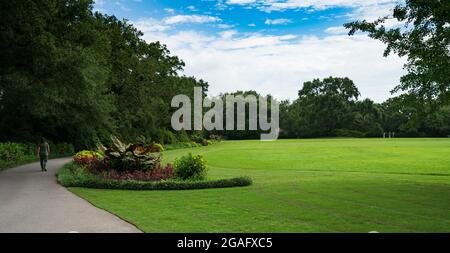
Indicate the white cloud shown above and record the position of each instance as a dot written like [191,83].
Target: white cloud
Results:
[373,12]
[228,34]
[148,25]
[361,9]
[181,19]
[191,8]
[337,30]
[241,2]
[280,21]
[99,2]
[279,65]
[288,37]
[169,10]
[252,25]
[279,5]
[100,6]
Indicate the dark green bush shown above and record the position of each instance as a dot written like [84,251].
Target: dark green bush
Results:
[181,145]
[182,136]
[14,154]
[10,151]
[215,137]
[190,167]
[197,136]
[348,133]
[62,149]
[156,148]
[73,176]
[166,137]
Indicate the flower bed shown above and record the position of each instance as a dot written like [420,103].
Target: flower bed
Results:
[137,167]
[72,175]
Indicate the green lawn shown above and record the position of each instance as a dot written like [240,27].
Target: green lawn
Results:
[322,185]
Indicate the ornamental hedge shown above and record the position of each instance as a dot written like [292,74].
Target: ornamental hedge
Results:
[72,175]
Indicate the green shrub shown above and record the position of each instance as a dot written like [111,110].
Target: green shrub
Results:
[182,136]
[348,133]
[166,137]
[206,142]
[14,154]
[157,148]
[197,136]
[190,167]
[10,151]
[181,145]
[72,175]
[62,149]
[193,144]
[30,149]
[215,137]
[88,154]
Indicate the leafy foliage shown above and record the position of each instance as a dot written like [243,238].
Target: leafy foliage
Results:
[156,148]
[88,153]
[91,160]
[59,149]
[330,107]
[11,151]
[80,76]
[125,162]
[190,167]
[14,154]
[131,157]
[424,38]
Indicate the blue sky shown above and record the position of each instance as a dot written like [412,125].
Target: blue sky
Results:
[271,46]
[242,17]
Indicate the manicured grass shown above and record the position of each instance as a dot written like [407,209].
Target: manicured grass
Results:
[323,185]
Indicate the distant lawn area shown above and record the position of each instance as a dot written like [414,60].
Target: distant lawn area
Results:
[320,185]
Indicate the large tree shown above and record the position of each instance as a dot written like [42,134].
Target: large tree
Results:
[424,38]
[52,80]
[324,106]
[72,75]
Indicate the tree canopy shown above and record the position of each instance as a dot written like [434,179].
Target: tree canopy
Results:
[77,76]
[424,38]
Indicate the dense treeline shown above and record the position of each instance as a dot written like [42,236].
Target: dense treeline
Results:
[330,107]
[76,76]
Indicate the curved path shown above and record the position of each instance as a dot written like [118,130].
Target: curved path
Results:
[32,201]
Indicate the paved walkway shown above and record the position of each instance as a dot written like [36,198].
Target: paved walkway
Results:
[32,201]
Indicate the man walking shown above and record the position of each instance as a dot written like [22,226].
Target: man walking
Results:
[43,151]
